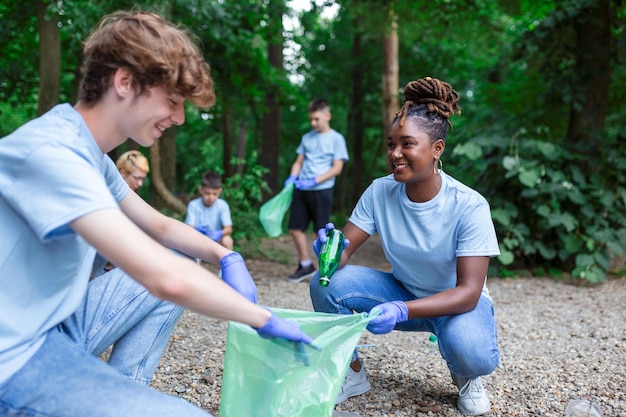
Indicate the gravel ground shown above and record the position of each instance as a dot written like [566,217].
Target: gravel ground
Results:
[558,342]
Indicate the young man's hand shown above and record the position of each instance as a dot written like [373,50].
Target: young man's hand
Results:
[235,274]
[279,328]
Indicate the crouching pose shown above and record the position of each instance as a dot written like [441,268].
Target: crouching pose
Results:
[438,236]
[62,199]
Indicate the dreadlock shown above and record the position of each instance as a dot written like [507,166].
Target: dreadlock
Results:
[431,103]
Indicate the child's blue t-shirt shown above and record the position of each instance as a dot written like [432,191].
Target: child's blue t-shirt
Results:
[215,217]
[320,150]
[422,241]
[51,173]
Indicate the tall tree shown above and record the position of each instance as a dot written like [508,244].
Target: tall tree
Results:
[391,69]
[165,197]
[270,136]
[49,57]
[356,125]
[593,66]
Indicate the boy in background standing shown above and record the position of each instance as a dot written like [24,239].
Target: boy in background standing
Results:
[321,155]
[209,214]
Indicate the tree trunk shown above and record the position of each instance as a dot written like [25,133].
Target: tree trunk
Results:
[270,138]
[242,139]
[227,136]
[511,7]
[593,62]
[390,78]
[49,59]
[356,125]
[162,182]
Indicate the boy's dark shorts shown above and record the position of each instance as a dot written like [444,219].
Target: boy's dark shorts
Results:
[308,206]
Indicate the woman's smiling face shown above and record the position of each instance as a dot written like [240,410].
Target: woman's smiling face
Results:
[410,153]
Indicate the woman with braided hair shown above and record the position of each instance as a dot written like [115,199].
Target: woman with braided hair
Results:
[437,235]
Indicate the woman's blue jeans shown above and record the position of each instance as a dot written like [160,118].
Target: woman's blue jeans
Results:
[65,378]
[467,342]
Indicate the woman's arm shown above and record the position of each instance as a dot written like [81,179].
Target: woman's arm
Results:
[471,274]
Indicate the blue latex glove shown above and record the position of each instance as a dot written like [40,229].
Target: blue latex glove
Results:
[322,238]
[305,183]
[387,316]
[278,328]
[202,229]
[290,180]
[215,235]
[235,274]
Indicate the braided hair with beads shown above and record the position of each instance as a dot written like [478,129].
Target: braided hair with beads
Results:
[430,103]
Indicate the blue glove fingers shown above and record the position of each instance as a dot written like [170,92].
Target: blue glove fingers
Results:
[305,183]
[277,328]
[202,229]
[215,235]
[235,274]
[321,239]
[301,355]
[290,180]
[387,315]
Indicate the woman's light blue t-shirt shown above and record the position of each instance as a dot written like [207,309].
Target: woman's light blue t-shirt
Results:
[422,241]
[51,173]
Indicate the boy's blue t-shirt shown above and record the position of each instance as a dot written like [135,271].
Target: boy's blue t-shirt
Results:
[51,173]
[423,240]
[215,217]
[320,150]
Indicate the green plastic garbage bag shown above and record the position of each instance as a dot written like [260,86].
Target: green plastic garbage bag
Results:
[263,378]
[272,212]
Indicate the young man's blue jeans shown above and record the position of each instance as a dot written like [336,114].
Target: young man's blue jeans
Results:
[65,378]
[467,341]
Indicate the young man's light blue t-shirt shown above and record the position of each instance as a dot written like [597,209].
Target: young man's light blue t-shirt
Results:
[51,173]
[215,217]
[320,150]
[423,240]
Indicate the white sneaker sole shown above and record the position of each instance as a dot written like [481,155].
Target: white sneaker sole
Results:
[353,391]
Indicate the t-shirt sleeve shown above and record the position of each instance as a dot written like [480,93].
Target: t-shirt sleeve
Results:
[191,214]
[225,217]
[57,186]
[477,234]
[117,185]
[341,150]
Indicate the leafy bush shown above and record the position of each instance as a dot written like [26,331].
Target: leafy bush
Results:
[554,208]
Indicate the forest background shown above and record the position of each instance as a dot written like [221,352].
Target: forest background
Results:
[543,88]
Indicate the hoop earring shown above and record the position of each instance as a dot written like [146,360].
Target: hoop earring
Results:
[436,169]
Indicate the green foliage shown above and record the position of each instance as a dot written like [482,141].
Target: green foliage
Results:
[552,207]
[244,193]
[557,206]
[12,117]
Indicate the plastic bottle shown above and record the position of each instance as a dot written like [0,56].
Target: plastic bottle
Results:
[582,408]
[330,255]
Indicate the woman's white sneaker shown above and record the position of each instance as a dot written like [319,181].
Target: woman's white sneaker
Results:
[473,400]
[356,383]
